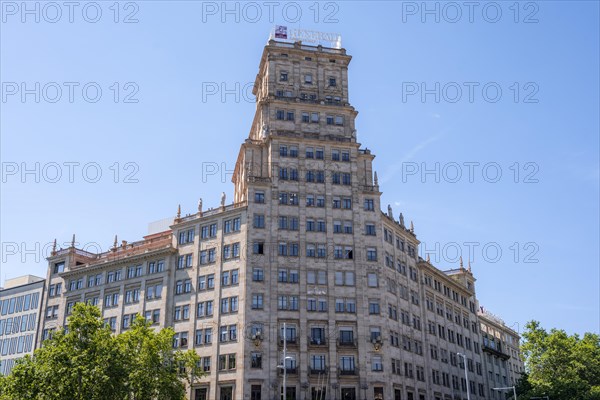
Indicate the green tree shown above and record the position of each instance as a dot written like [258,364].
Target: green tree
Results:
[79,363]
[189,367]
[87,361]
[154,370]
[561,366]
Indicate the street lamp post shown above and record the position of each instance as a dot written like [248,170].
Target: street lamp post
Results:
[466,374]
[284,366]
[514,389]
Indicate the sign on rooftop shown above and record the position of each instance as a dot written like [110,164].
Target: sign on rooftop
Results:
[326,39]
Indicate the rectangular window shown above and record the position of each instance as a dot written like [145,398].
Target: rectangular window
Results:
[256,361]
[321,251]
[283,174]
[376,363]
[346,179]
[257,274]
[374,307]
[347,365]
[320,176]
[337,226]
[59,267]
[371,254]
[258,248]
[372,280]
[310,250]
[311,304]
[257,301]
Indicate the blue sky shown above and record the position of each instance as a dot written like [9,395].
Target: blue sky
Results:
[534,229]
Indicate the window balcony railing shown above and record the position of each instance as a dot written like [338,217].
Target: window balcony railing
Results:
[369,188]
[317,370]
[347,371]
[317,341]
[258,179]
[495,349]
[289,371]
[289,340]
[346,342]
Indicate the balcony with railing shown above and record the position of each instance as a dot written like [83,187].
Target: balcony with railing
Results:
[369,188]
[347,371]
[289,370]
[258,179]
[347,342]
[317,341]
[212,212]
[289,341]
[495,348]
[302,46]
[318,370]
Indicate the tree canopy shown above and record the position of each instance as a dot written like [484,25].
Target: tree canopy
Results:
[560,366]
[86,361]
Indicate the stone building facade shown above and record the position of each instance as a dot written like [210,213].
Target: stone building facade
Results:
[303,245]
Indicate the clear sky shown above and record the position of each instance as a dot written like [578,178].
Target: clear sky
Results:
[468,91]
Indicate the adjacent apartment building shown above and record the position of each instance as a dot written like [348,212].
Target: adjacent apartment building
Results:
[20,301]
[503,364]
[302,261]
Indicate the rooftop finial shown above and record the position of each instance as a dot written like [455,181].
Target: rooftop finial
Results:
[390,213]
[428,259]
[401,220]
[469,266]
[115,244]
[375,180]
[200,206]
[461,263]
[179,211]
[223,198]
[54,247]
[412,227]
[73,241]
